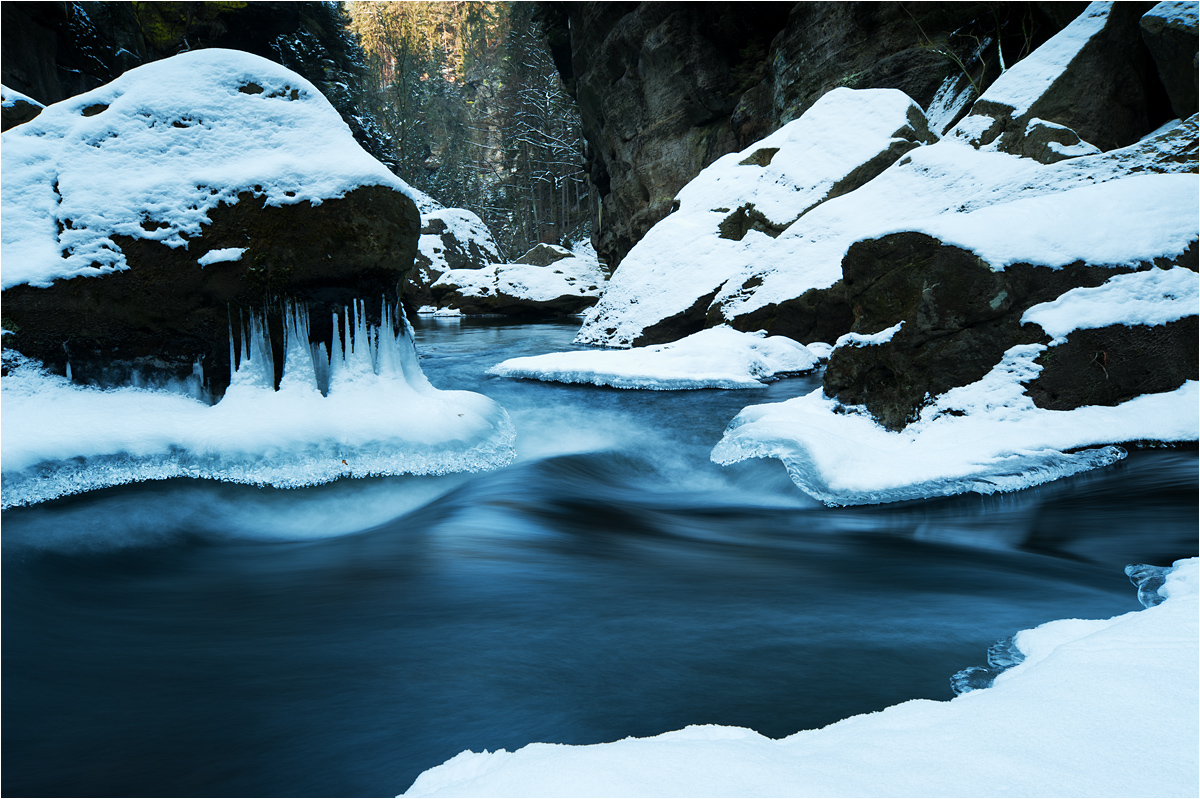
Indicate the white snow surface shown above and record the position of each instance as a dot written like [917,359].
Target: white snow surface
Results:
[719,357]
[683,257]
[1024,82]
[175,138]
[1152,297]
[364,412]
[1098,708]
[579,275]
[869,339]
[9,97]
[221,256]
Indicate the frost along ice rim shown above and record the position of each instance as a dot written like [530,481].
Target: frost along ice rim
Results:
[365,409]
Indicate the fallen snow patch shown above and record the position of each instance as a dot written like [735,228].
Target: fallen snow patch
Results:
[221,256]
[719,357]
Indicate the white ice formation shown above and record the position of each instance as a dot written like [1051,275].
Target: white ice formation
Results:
[1095,708]
[364,409]
[719,357]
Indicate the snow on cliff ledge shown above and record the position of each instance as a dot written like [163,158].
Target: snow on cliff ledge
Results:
[1097,708]
[150,154]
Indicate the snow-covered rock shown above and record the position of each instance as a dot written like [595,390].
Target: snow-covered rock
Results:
[719,357]
[567,283]
[991,435]
[16,108]
[451,238]
[113,199]
[729,215]
[1096,708]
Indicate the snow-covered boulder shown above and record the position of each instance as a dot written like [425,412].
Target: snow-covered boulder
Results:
[1170,31]
[1062,722]
[16,108]
[137,215]
[731,213]
[451,238]
[548,280]
[1093,82]
[719,357]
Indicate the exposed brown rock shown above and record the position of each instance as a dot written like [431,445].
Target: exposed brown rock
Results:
[166,310]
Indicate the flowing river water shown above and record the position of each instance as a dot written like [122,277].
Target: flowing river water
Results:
[193,638]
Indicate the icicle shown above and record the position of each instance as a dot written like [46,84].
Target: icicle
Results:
[257,365]
[69,378]
[299,371]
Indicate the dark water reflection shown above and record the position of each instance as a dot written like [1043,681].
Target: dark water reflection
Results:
[189,638]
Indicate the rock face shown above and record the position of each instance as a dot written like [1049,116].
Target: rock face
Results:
[664,89]
[259,197]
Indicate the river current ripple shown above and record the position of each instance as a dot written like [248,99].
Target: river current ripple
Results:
[189,638]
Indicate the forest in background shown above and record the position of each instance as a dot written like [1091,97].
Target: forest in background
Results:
[472,111]
[460,99]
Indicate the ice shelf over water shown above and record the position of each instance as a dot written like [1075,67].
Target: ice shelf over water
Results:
[719,357]
[1095,708]
[364,409]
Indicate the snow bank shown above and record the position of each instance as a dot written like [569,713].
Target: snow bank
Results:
[719,357]
[684,257]
[364,411]
[152,153]
[1104,708]
[987,436]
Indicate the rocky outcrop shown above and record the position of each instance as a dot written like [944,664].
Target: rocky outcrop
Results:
[958,315]
[1170,32]
[259,197]
[664,89]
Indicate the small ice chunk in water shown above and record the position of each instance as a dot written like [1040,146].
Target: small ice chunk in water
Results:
[1148,580]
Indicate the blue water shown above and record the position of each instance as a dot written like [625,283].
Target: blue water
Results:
[198,639]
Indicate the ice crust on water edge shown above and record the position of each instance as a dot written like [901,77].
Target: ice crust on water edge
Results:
[366,409]
[985,437]
[719,357]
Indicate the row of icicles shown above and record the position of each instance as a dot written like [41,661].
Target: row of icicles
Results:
[368,352]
